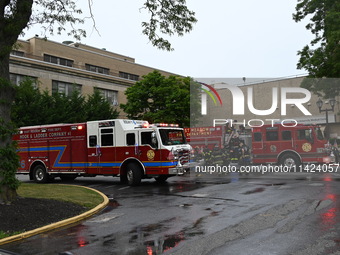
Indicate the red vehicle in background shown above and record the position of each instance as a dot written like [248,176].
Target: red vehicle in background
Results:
[132,149]
[290,145]
[269,144]
[203,137]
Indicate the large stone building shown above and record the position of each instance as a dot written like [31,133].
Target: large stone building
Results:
[64,67]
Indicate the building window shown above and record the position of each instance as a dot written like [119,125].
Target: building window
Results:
[17,53]
[58,60]
[110,95]
[129,76]
[18,78]
[97,69]
[65,88]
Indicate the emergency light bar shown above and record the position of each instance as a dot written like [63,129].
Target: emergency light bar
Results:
[165,125]
[147,125]
[144,125]
[79,127]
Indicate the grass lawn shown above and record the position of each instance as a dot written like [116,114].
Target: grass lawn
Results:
[74,194]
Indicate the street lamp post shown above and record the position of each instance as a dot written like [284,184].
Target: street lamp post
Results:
[319,103]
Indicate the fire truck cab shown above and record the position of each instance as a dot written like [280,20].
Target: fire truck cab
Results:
[290,145]
[131,149]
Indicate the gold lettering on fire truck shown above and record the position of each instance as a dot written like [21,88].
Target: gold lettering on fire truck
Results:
[306,147]
[150,154]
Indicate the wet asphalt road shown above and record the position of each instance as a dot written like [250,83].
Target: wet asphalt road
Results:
[291,213]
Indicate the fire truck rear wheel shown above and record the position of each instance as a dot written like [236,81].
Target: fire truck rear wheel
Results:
[290,160]
[133,174]
[39,174]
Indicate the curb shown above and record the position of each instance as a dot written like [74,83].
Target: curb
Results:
[59,224]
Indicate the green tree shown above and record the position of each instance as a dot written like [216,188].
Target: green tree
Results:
[26,109]
[31,107]
[167,17]
[322,57]
[157,98]
[98,108]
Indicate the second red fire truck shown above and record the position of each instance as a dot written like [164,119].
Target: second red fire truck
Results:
[132,149]
[270,144]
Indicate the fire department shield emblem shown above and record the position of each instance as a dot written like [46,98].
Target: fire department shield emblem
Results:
[306,147]
[150,154]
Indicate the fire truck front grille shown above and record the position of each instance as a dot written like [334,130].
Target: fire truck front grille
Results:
[184,156]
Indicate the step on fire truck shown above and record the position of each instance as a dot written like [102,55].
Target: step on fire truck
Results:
[132,149]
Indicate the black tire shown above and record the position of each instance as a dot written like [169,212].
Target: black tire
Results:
[161,178]
[290,160]
[123,179]
[40,175]
[133,174]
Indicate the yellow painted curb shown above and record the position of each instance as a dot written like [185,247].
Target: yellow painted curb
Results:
[60,223]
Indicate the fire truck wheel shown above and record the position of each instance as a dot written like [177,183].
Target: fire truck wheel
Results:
[133,174]
[290,160]
[39,174]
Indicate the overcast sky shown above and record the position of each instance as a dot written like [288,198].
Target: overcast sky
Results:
[232,39]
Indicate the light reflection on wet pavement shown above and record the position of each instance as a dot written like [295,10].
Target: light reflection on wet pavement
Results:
[157,219]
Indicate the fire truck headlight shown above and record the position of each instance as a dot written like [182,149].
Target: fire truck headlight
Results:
[173,155]
[326,160]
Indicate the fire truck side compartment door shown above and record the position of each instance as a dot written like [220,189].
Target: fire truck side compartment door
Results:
[93,147]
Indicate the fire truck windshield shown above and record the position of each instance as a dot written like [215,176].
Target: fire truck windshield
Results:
[172,136]
[319,133]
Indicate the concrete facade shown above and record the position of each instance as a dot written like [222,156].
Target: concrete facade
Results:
[58,66]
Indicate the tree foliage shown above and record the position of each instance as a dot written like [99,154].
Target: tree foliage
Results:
[8,157]
[31,107]
[322,57]
[168,17]
[157,98]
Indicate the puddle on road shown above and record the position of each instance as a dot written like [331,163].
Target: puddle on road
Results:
[184,187]
[331,216]
[273,184]
[257,190]
[113,204]
[158,245]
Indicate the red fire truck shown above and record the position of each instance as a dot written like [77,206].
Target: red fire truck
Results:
[205,136]
[132,149]
[270,144]
[290,145]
